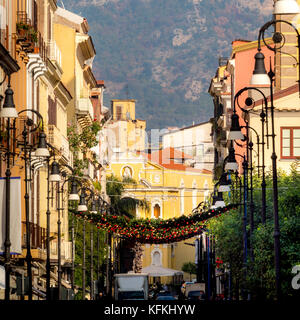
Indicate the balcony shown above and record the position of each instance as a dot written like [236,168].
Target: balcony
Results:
[37,235]
[37,241]
[65,151]
[31,46]
[59,142]
[89,172]
[26,32]
[84,111]
[66,251]
[54,54]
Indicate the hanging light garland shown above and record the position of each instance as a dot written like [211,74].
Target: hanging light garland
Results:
[155,230]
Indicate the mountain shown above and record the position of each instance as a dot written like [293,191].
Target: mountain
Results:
[163,53]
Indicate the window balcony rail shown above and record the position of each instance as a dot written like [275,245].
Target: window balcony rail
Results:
[67,250]
[85,107]
[22,17]
[90,171]
[54,53]
[37,236]
[59,142]
[65,149]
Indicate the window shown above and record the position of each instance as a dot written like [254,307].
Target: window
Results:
[127,172]
[156,211]
[119,113]
[52,111]
[290,143]
[156,258]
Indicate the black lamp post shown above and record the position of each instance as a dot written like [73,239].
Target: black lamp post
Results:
[48,213]
[92,211]
[245,200]
[73,196]
[82,207]
[8,111]
[250,104]
[260,77]
[41,151]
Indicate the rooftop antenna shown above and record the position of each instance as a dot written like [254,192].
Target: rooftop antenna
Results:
[127,91]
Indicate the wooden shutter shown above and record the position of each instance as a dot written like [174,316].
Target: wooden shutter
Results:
[49,23]
[38,97]
[52,111]
[35,15]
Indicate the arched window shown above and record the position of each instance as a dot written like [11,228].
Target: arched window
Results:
[156,211]
[156,258]
[127,172]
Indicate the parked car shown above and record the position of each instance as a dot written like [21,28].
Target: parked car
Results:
[163,297]
[196,295]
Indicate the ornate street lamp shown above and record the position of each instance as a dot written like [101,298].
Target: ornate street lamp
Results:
[73,196]
[260,76]
[42,150]
[82,207]
[54,172]
[235,130]
[224,183]
[231,164]
[92,211]
[281,7]
[8,111]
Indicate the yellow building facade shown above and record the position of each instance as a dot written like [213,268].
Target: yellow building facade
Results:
[170,190]
[125,132]
[71,35]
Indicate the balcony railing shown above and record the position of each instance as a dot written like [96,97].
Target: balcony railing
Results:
[54,136]
[58,141]
[22,17]
[89,172]
[54,53]
[65,150]
[37,236]
[66,250]
[85,107]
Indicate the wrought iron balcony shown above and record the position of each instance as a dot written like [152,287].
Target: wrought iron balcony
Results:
[37,236]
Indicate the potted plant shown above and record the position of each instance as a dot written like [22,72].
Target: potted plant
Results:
[33,35]
[22,28]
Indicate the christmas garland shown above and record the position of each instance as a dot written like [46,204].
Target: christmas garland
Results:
[155,230]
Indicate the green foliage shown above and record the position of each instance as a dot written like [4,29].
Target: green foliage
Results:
[261,271]
[82,143]
[30,31]
[115,188]
[189,267]
[79,253]
[22,26]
